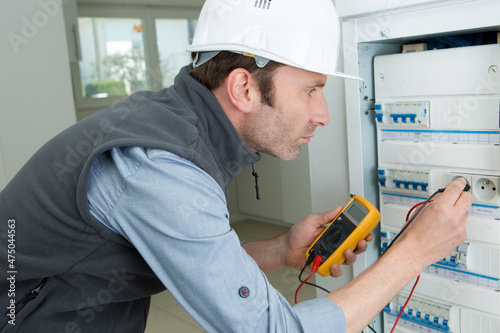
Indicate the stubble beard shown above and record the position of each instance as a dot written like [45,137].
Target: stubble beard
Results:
[274,143]
[270,136]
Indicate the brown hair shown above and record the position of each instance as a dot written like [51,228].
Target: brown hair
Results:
[213,73]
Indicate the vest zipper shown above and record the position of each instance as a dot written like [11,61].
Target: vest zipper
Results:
[257,189]
[33,294]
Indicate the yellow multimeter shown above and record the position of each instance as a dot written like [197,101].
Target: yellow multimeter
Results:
[354,223]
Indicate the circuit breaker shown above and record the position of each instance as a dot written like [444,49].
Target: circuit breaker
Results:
[437,115]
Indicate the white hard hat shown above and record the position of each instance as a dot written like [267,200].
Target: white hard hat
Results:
[299,33]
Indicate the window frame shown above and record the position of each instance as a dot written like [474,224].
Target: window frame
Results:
[148,16]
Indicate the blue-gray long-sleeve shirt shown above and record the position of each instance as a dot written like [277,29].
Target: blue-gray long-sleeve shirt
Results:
[176,216]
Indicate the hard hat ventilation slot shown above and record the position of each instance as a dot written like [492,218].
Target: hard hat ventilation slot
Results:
[263,4]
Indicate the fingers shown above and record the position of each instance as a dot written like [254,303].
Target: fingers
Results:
[362,246]
[328,217]
[465,200]
[455,194]
[335,271]
[369,238]
[350,257]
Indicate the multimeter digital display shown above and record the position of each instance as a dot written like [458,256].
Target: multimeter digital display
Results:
[354,223]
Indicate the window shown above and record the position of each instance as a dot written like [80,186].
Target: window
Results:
[123,50]
[172,37]
[113,61]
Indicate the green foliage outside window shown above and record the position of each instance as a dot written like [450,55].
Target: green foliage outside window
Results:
[111,88]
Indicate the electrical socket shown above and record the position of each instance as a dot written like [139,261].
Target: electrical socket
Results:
[485,189]
[455,175]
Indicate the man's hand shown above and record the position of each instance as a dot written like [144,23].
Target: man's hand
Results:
[435,232]
[302,235]
[441,225]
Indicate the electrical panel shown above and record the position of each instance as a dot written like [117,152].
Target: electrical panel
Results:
[437,115]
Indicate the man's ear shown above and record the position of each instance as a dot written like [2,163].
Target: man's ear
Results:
[242,89]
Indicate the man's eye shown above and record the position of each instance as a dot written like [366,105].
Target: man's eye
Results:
[309,92]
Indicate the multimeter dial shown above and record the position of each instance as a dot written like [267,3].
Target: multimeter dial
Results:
[334,236]
[354,223]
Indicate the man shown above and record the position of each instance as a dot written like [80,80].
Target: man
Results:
[133,199]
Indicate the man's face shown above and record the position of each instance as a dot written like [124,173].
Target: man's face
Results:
[298,108]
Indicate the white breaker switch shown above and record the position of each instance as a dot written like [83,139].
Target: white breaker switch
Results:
[403,114]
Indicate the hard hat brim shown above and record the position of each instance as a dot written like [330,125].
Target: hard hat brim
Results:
[345,76]
[214,49]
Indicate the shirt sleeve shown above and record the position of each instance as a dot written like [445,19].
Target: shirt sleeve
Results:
[175,214]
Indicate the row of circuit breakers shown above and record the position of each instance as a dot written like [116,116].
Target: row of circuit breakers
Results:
[438,117]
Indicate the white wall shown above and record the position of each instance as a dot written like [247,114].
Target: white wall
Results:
[284,186]
[328,153]
[35,86]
